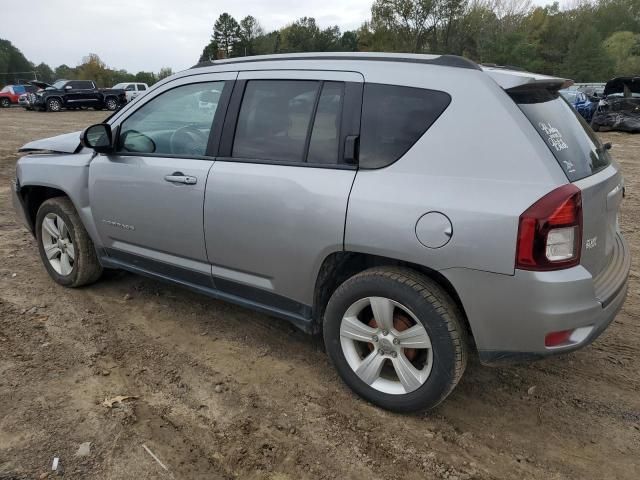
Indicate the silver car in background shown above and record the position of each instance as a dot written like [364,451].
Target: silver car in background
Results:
[400,205]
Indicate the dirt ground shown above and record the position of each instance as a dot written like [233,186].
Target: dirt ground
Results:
[222,392]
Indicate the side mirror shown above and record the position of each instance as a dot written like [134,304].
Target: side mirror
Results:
[98,137]
[68,87]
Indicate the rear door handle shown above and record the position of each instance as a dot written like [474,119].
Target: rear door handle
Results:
[179,177]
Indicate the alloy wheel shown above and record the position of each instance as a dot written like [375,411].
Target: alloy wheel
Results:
[386,346]
[58,245]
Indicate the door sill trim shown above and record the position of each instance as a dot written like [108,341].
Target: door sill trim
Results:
[302,319]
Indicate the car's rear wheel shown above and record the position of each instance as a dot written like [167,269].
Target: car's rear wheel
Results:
[54,105]
[396,339]
[5,103]
[65,247]
[111,103]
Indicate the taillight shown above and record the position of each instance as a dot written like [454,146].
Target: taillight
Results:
[550,231]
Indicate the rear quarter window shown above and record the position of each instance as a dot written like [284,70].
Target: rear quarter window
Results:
[572,142]
[393,119]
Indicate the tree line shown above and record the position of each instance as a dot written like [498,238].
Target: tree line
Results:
[15,68]
[591,41]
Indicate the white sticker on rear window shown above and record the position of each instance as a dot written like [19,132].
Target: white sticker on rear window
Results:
[554,137]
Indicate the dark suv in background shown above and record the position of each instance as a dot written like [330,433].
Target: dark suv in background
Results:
[73,94]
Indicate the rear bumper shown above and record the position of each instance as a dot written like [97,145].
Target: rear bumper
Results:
[510,315]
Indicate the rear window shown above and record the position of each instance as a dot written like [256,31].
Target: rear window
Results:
[393,119]
[568,136]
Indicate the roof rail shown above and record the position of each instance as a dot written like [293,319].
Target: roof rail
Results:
[442,60]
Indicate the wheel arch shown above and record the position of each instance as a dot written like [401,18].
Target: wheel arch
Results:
[33,196]
[337,267]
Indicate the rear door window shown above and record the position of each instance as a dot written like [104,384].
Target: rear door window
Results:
[274,120]
[81,85]
[393,119]
[568,136]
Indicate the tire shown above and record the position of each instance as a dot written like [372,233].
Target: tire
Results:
[5,103]
[595,127]
[428,308]
[111,103]
[81,255]
[54,105]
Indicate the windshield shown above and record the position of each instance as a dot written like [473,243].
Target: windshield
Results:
[568,136]
[59,84]
[119,85]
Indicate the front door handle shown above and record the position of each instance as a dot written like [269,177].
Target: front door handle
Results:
[179,177]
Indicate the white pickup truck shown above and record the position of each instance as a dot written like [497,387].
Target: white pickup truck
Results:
[133,90]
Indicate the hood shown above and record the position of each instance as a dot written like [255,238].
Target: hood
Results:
[618,84]
[67,143]
[41,85]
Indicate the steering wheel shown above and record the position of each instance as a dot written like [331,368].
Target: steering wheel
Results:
[188,140]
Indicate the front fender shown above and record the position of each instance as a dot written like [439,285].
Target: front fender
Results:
[67,173]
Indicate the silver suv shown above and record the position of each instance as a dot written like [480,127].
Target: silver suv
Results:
[401,205]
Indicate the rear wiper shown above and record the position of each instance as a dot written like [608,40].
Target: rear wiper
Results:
[604,147]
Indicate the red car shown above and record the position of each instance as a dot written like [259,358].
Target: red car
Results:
[9,95]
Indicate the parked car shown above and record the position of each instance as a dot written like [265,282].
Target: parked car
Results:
[23,99]
[389,213]
[132,90]
[10,94]
[581,102]
[620,107]
[74,94]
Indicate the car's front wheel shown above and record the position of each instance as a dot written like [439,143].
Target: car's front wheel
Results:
[54,105]
[5,102]
[396,338]
[65,247]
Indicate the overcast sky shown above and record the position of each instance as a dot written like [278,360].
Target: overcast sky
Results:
[149,34]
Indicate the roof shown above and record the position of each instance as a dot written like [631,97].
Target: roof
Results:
[505,76]
[442,60]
